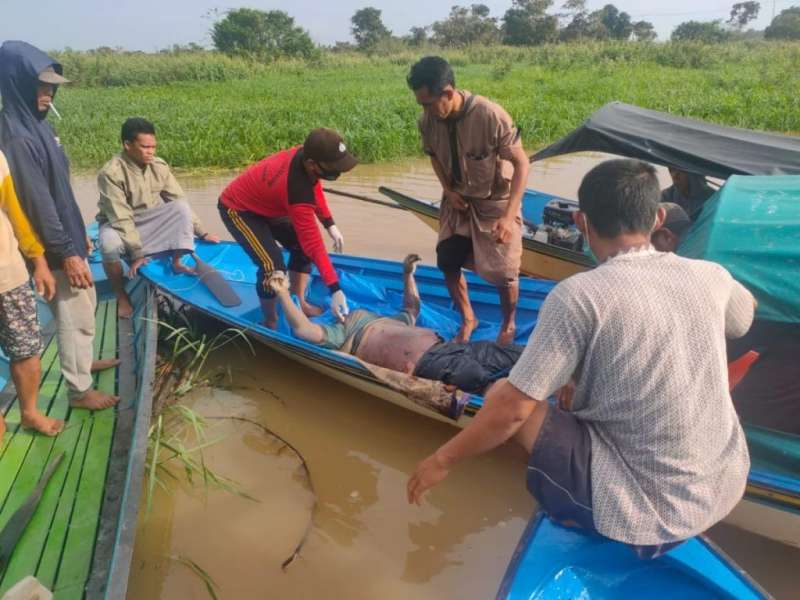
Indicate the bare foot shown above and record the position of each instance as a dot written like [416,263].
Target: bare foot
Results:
[507,335]
[42,423]
[271,324]
[95,400]
[104,363]
[124,307]
[311,310]
[465,331]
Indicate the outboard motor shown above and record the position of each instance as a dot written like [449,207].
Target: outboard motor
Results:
[558,227]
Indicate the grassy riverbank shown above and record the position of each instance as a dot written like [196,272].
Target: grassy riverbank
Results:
[212,111]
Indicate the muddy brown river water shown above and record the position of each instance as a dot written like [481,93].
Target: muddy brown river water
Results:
[366,541]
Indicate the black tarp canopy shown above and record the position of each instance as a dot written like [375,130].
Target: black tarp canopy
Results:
[688,144]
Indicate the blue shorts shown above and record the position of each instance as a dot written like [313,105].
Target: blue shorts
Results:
[559,475]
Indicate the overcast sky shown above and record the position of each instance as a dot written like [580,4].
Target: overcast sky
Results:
[155,24]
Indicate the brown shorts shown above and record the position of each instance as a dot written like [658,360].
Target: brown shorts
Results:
[20,336]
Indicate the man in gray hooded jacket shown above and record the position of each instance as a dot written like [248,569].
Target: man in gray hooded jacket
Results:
[29,80]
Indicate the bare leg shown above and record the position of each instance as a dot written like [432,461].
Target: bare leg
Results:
[26,374]
[457,285]
[269,306]
[116,279]
[298,283]
[102,364]
[509,297]
[179,267]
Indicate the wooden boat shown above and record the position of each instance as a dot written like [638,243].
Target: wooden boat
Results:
[79,541]
[539,259]
[552,562]
[377,284]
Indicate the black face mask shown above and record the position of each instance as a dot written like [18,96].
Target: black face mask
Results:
[328,175]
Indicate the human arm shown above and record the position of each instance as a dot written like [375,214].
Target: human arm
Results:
[450,196]
[114,207]
[551,357]
[503,228]
[300,324]
[43,279]
[504,411]
[33,192]
[411,303]
[740,311]
[509,147]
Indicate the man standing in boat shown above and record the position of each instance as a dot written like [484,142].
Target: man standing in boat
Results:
[647,448]
[477,155]
[279,200]
[29,80]
[143,211]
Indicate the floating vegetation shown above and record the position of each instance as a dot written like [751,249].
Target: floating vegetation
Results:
[212,111]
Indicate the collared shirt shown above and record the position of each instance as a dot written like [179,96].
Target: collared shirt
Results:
[16,234]
[644,337]
[484,136]
[127,189]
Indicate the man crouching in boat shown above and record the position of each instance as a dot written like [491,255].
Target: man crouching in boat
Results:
[648,450]
[142,210]
[397,343]
[279,200]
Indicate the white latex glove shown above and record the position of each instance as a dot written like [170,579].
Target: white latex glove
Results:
[337,237]
[339,305]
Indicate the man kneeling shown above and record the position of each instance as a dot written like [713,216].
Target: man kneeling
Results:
[142,210]
[397,343]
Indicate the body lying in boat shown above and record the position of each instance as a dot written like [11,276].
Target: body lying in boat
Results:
[396,343]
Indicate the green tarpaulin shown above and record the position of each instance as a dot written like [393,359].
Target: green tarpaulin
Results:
[751,226]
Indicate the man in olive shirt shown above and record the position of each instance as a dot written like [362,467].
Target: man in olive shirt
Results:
[477,154]
[142,210]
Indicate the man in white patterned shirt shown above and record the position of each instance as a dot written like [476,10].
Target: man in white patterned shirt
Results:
[647,449]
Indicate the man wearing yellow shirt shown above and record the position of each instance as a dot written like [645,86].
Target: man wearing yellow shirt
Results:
[20,336]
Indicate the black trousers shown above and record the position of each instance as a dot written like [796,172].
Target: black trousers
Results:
[259,236]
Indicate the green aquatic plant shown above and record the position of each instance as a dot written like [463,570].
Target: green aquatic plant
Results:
[211,585]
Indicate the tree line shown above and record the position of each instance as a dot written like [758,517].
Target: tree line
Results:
[272,34]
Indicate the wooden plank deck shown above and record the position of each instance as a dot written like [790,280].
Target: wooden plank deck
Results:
[58,544]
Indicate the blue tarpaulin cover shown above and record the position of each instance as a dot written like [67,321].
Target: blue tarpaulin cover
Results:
[751,226]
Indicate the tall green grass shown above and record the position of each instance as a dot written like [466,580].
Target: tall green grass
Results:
[213,111]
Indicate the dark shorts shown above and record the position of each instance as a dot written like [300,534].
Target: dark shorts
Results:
[452,253]
[260,236]
[471,366]
[20,336]
[559,475]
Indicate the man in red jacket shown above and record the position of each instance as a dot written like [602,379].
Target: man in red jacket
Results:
[278,200]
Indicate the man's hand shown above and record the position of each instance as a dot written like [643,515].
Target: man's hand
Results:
[428,473]
[339,305]
[410,263]
[89,245]
[503,229]
[278,282]
[136,265]
[210,237]
[337,237]
[456,200]
[43,279]
[565,396]
[78,273]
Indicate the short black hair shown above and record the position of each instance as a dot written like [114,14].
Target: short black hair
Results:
[620,196]
[134,126]
[432,72]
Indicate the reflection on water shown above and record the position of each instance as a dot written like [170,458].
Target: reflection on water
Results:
[367,542]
